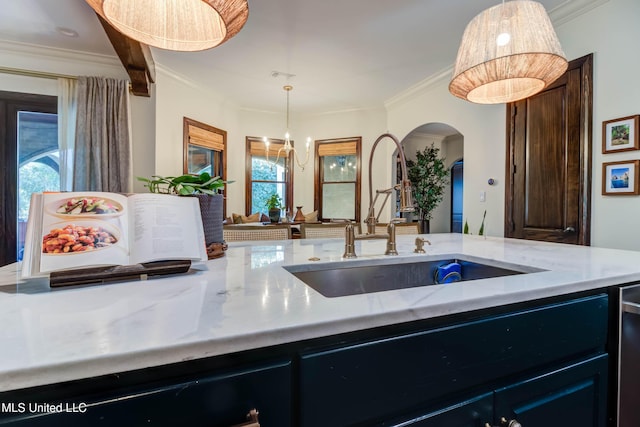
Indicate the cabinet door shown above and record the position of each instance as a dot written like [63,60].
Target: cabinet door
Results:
[474,412]
[219,400]
[575,395]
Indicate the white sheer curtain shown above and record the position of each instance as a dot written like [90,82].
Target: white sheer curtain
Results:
[67,106]
[102,155]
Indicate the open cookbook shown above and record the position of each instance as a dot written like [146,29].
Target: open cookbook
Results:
[84,229]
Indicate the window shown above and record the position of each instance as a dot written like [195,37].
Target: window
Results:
[337,178]
[204,150]
[265,177]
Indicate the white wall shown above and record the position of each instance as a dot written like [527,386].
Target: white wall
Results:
[178,97]
[368,124]
[610,32]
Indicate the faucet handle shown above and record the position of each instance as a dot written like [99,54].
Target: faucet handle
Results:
[420,245]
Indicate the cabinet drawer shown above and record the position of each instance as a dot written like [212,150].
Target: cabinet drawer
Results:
[367,381]
[219,400]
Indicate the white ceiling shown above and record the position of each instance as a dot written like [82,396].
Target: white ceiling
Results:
[345,54]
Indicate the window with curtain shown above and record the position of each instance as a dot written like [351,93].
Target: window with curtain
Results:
[266,176]
[337,178]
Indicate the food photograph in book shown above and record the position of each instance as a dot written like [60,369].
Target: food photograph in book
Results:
[82,230]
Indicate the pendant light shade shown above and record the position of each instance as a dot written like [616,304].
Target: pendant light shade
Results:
[508,52]
[185,25]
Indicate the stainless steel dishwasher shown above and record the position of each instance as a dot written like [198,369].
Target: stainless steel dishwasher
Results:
[629,363]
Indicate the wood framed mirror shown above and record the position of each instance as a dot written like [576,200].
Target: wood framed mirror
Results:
[204,150]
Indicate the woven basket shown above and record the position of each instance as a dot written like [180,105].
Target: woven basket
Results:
[211,211]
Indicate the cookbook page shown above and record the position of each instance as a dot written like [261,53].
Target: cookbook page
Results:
[83,229]
[165,227]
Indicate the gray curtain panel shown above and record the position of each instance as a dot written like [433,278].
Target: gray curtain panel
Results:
[102,158]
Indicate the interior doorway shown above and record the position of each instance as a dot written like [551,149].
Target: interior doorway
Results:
[457,191]
[450,143]
[29,156]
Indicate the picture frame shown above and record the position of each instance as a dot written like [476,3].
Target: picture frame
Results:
[621,134]
[621,178]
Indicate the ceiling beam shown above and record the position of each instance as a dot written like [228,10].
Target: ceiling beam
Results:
[135,57]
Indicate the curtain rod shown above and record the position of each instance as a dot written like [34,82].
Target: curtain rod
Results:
[41,74]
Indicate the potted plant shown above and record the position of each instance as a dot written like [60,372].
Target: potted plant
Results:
[274,205]
[428,175]
[203,186]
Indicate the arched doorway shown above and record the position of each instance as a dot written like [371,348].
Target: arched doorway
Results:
[450,143]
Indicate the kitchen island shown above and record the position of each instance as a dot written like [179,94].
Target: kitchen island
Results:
[245,309]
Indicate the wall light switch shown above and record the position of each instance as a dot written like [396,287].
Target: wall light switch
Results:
[483,196]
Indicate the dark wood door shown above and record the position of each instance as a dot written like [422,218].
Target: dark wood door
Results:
[548,182]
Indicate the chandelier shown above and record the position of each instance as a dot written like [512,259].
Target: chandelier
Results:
[288,147]
[508,52]
[185,25]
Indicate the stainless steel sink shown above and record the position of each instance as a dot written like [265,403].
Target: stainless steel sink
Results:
[338,279]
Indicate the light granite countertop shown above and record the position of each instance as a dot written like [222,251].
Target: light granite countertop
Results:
[246,300]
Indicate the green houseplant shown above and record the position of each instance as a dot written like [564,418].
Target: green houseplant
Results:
[428,175]
[203,186]
[185,185]
[274,205]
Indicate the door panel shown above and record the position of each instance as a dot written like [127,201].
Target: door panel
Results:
[11,103]
[545,172]
[575,396]
[549,161]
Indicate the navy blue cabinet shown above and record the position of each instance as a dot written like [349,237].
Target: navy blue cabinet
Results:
[373,381]
[574,395]
[222,399]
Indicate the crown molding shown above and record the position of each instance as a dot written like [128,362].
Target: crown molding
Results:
[571,9]
[419,88]
[57,54]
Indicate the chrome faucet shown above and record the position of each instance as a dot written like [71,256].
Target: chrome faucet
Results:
[406,205]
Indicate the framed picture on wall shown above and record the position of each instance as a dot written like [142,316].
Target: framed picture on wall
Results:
[620,178]
[621,134]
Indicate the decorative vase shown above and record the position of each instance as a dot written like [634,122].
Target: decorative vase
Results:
[299,215]
[211,212]
[274,215]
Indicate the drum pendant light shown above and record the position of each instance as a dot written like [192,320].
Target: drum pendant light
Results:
[184,25]
[508,52]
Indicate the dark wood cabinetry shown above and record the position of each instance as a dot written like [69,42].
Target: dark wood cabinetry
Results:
[544,365]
